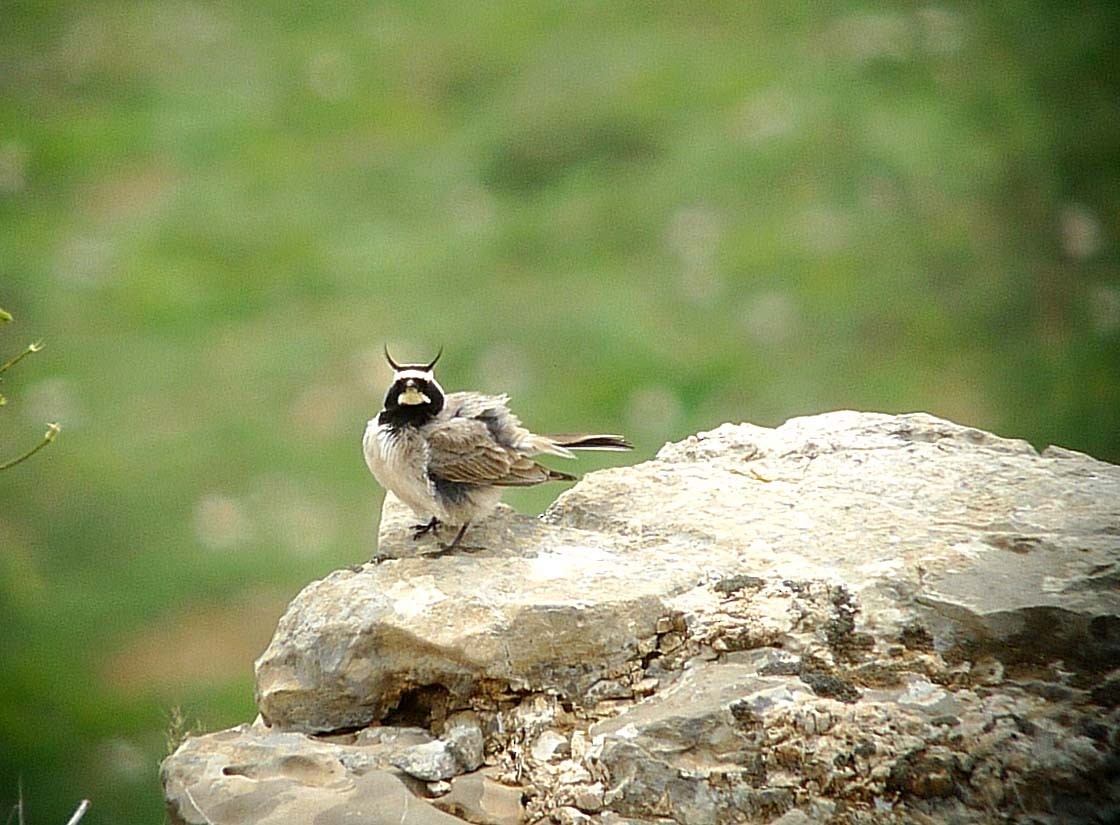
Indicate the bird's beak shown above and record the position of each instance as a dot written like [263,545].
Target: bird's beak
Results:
[412,396]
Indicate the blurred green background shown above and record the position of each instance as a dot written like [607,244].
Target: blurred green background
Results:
[644,217]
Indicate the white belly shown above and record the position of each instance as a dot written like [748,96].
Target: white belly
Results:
[399,460]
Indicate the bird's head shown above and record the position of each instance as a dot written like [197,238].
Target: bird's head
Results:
[415,396]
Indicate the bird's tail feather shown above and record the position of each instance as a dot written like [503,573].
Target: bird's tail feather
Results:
[585,441]
[562,445]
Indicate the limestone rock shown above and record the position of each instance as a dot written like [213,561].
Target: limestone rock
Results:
[431,762]
[997,541]
[548,744]
[458,751]
[251,775]
[476,797]
[551,608]
[465,741]
[851,618]
[731,741]
[979,539]
[670,746]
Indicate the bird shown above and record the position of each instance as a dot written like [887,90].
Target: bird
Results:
[449,456]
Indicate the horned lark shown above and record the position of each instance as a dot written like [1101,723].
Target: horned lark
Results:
[448,456]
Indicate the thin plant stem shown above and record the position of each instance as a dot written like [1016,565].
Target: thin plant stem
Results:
[7,365]
[52,431]
[83,806]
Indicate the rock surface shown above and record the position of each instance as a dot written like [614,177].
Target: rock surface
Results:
[253,774]
[853,617]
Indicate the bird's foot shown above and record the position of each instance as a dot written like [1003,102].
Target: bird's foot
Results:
[444,549]
[456,544]
[448,549]
[419,530]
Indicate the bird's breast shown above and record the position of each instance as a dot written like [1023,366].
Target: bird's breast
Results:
[398,459]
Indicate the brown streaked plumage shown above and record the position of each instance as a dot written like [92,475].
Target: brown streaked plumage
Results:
[448,457]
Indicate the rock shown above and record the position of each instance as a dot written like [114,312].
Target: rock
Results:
[726,743]
[1009,551]
[458,751]
[549,744]
[708,724]
[463,734]
[429,762]
[476,797]
[256,776]
[567,815]
[589,799]
[794,817]
[978,539]
[853,617]
[355,646]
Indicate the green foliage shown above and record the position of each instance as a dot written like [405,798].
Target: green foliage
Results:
[649,218]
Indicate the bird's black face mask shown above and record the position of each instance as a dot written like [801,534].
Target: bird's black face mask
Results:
[414,398]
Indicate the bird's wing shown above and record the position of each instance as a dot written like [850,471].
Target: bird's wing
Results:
[504,427]
[463,450]
[474,404]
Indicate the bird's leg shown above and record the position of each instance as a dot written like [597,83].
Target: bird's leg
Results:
[419,530]
[447,548]
[456,544]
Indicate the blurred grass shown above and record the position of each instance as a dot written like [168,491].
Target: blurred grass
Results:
[649,218]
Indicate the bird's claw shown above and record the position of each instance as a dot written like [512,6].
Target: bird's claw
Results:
[466,548]
[456,544]
[448,549]
[419,530]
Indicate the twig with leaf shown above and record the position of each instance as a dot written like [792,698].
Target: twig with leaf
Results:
[53,428]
